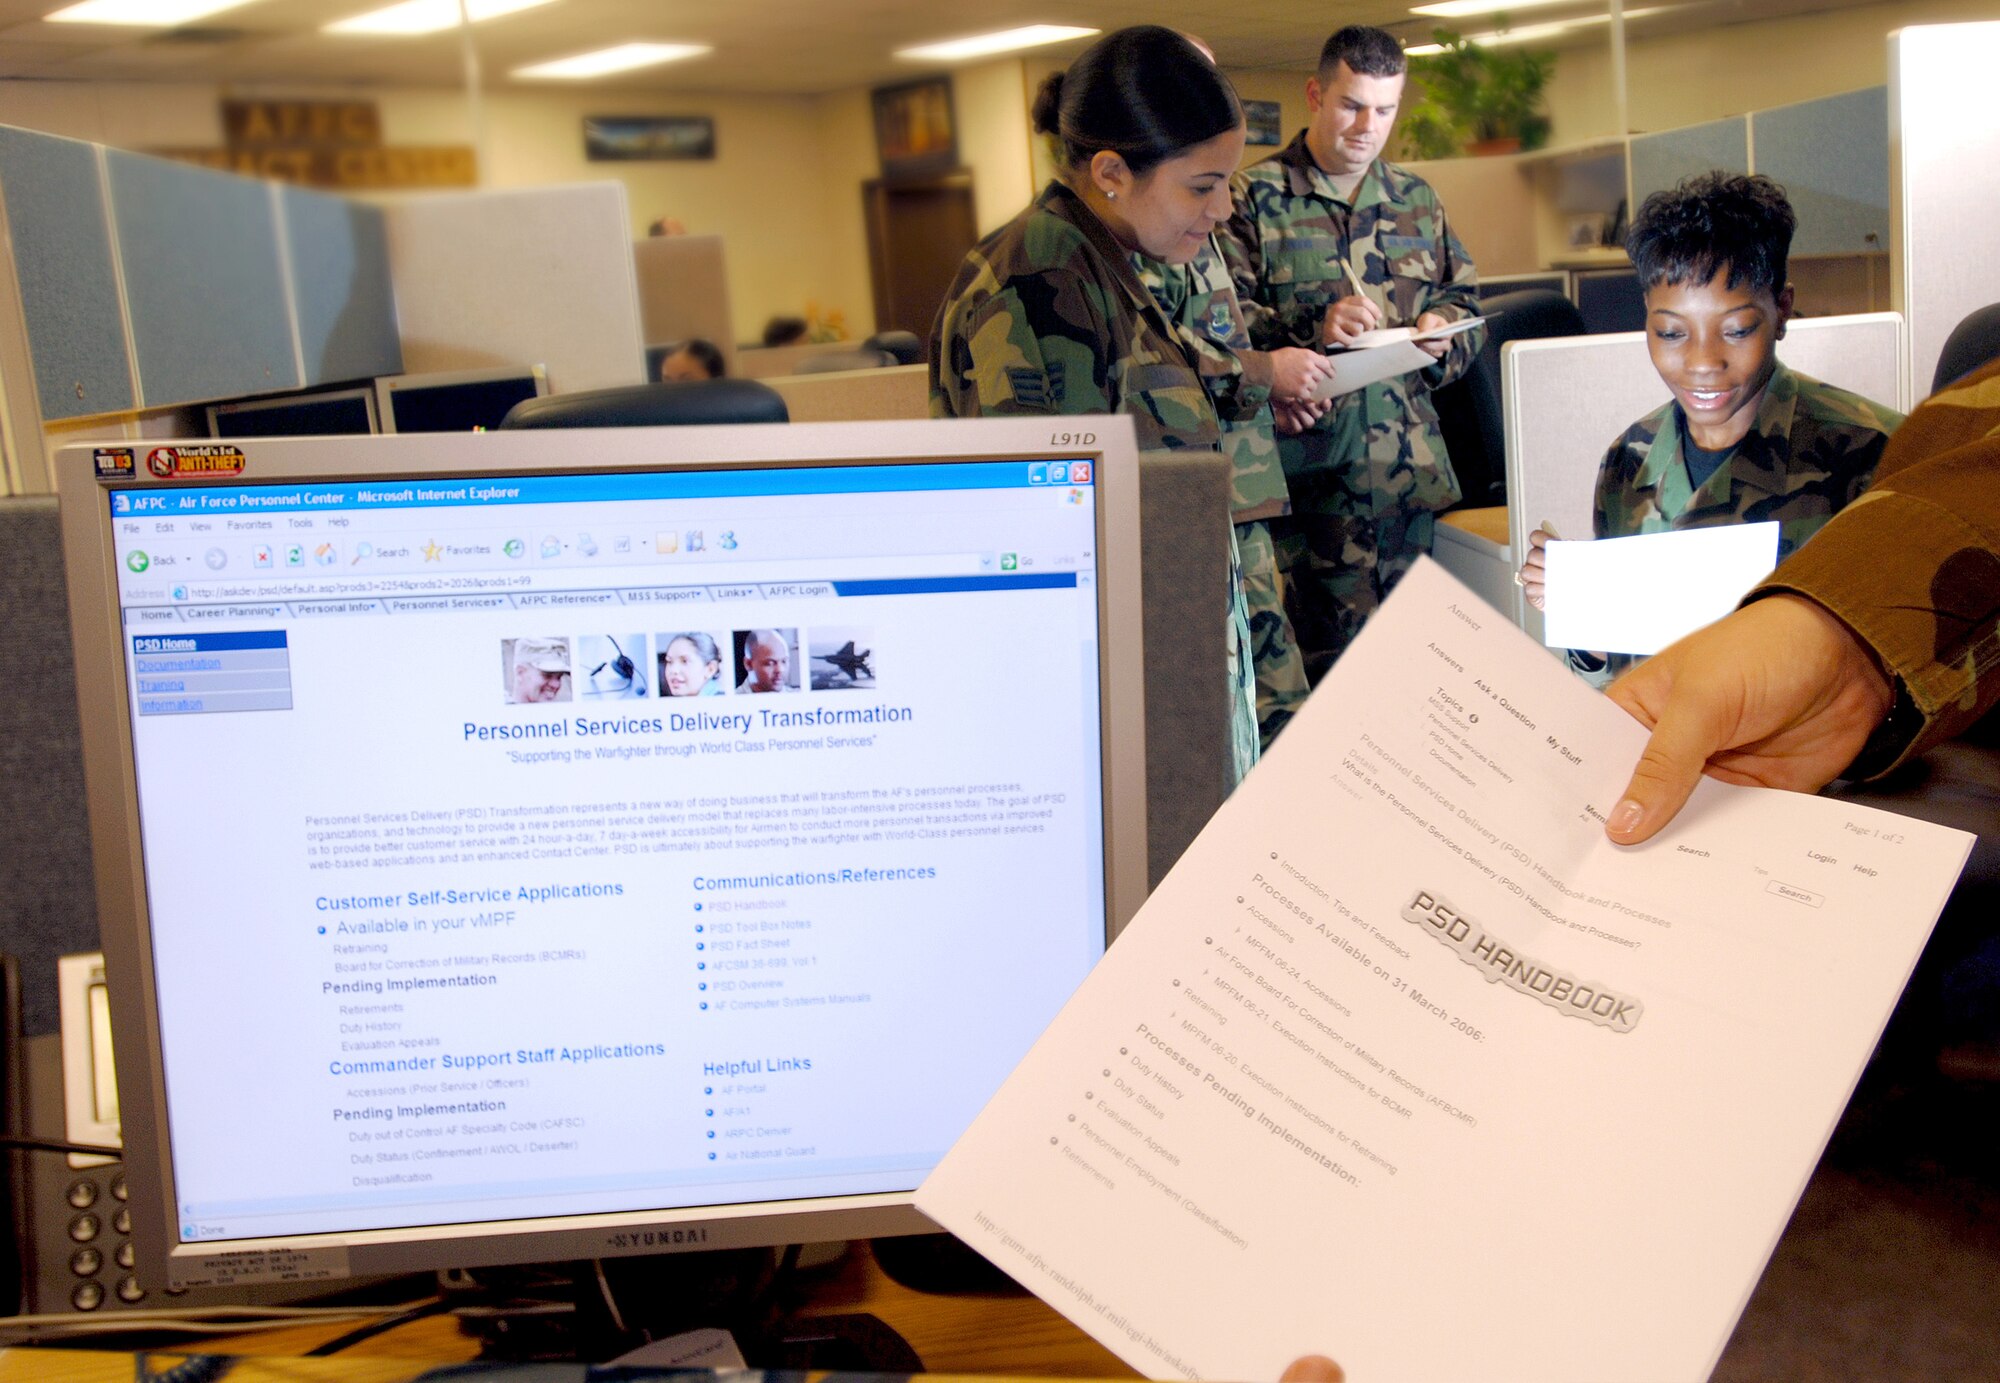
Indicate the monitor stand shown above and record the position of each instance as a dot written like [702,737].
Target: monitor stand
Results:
[597,1311]
[939,1264]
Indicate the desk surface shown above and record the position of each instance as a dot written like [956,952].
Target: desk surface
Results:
[986,1333]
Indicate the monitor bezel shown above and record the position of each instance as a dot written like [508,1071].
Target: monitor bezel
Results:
[111,789]
[230,408]
[388,386]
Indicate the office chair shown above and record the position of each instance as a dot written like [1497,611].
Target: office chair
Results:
[1469,407]
[1971,344]
[903,345]
[695,403]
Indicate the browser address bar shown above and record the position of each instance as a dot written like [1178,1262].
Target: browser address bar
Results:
[717,573]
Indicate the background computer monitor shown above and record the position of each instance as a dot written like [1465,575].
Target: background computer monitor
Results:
[1610,300]
[457,400]
[436,935]
[328,413]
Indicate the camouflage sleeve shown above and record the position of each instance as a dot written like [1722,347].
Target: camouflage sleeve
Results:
[1454,296]
[1913,567]
[1242,242]
[1034,346]
[1238,382]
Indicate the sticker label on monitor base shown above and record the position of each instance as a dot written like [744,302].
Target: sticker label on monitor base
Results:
[241,1266]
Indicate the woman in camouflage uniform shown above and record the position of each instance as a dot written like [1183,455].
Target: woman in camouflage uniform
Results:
[1047,315]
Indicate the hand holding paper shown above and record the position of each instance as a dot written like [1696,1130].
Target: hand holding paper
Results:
[1406,1062]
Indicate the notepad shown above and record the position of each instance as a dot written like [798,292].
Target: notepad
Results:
[1383,353]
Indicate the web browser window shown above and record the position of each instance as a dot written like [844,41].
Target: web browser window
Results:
[551,845]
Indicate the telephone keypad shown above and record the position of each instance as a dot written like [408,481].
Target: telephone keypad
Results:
[88,1296]
[84,1228]
[86,1262]
[82,1194]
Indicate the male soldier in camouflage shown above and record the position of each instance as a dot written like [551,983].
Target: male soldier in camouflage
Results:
[1743,439]
[1198,299]
[1312,222]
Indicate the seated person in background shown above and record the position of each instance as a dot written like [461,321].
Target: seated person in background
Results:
[784,331]
[1743,439]
[692,360]
[1878,640]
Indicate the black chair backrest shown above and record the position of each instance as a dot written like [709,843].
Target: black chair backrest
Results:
[903,345]
[1469,413]
[1971,344]
[702,402]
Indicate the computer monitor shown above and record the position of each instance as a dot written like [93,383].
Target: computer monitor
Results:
[328,413]
[456,400]
[548,845]
[1610,300]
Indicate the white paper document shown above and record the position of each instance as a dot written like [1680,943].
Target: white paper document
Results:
[1384,352]
[1405,1063]
[1637,595]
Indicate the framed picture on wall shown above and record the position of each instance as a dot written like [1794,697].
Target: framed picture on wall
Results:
[1266,122]
[915,134]
[623,138]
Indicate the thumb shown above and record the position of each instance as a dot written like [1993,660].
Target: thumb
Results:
[1667,772]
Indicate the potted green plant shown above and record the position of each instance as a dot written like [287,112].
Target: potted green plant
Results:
[1477,100]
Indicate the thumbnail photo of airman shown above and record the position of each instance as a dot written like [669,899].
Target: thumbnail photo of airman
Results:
[764,660]
[535,669]
[842,659]
[691,664]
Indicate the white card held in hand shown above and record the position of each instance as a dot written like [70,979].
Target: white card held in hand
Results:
[1407,1064]
[1637,595]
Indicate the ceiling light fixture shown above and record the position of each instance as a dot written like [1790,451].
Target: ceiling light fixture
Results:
[988,45]
[1530,32]
[425,16]
[150,14]
[622,58]
[1462,9]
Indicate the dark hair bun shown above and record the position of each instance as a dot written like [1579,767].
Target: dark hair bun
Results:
[1144,93]
[1047,109]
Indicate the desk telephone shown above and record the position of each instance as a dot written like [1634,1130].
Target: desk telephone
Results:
[72,1213]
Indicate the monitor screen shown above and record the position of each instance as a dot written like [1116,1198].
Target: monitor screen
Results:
[1610,300]
[546,845]
[340,412]
[462,401]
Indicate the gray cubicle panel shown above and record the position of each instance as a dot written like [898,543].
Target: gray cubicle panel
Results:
[495,278]
[1564,401]
[204,280]
[1658,161]
[63,264]
[1832,158]
[345,311]
[1945,146]
[684,292]
[48,898]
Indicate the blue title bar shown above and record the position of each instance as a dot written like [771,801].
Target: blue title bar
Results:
[489,491]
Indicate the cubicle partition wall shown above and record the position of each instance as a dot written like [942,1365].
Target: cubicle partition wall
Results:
[1566,399]
[498,278]
[1944,150]
[141,283]
[684,292]
[840,396]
